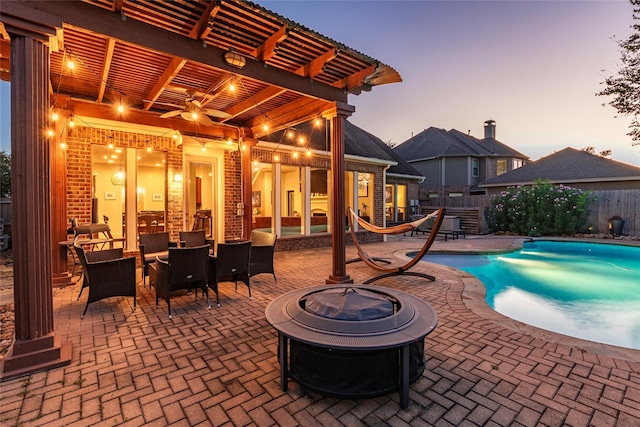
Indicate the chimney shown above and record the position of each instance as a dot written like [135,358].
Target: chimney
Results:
[490,129]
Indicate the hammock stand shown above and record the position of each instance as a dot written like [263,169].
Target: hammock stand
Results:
[397,229]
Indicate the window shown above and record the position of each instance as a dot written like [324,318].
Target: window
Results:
[455,194]
[129,184]
[365,196]
[319,202]
[501,167]
[396,202]
[433,194]
[291,205]
[475,167]
[261,200]
[517,163]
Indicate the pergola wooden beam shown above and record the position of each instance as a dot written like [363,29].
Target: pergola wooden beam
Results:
[172,70]
[202,29]
[315,67]
[255,100]
[266,50]
[111,43]
[288,115]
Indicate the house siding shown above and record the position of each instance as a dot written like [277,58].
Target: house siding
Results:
[456,171]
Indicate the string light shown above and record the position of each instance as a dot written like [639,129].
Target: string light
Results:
[63,145]
[276,158]
[50,133]
[54,116]
[295,154]
[265,127]
[71,64]
[120,108]
[72,123]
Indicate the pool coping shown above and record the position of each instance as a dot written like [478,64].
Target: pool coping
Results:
[473,297]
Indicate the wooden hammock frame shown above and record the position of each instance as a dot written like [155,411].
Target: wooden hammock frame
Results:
[397,229]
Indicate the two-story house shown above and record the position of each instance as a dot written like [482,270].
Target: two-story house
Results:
[454,163]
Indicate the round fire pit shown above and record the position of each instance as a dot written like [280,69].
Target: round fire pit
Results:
[351,341]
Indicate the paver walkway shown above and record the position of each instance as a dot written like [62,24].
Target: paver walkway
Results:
[219,368]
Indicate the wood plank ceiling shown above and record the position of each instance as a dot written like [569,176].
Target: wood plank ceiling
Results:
[152,55]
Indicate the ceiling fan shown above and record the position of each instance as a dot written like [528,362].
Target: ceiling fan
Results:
[193,111]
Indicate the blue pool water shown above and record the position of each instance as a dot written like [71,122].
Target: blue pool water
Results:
[585,290]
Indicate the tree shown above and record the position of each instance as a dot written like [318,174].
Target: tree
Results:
[5,174]
[592,150]
[625,87]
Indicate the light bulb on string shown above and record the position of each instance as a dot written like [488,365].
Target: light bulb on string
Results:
[71,65]
[50,133]
[120,108]
[308,153]
[54,116]
[276,158]
[72,123]
[295,154]
[63,145]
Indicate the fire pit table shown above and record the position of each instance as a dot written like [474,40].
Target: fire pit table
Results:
[351,341]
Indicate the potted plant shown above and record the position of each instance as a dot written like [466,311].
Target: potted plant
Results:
[616,223]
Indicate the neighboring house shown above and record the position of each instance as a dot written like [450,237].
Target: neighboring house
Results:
[401,179]
[454,163]
[571,167]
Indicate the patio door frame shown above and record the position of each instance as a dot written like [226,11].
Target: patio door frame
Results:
[214,158]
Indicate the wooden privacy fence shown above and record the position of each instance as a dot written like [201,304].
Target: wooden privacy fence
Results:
[607,203]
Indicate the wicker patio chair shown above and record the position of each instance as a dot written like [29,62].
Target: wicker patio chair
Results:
[94,256]
[185,268]
[195,238]
[263,246]
[107,278]
[230,264]
[152,246]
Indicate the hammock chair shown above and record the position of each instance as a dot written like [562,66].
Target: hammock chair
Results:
[396,229]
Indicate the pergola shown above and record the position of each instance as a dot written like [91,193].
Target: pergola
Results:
[149,56]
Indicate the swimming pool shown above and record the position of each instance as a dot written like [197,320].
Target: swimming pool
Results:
[585,290]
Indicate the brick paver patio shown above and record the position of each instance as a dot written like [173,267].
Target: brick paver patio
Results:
[219,367]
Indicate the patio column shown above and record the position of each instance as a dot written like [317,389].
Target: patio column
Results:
[36,347]
[59,223]
[339,266]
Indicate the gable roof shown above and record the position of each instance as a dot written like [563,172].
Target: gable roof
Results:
[357,142]
[567,166]
[435,142]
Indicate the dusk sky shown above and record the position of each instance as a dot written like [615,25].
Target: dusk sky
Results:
[532,66]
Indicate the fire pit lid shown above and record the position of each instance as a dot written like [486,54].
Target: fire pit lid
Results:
[348,304]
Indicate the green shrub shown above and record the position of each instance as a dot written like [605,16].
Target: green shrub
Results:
[541,209]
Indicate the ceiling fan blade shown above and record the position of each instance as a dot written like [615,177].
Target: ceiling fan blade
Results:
[216,113]
[171,114]
[204,120]
[188,115]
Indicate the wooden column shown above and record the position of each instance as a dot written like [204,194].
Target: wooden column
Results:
[338,212]
[59,223]
[36,347]
[247,145]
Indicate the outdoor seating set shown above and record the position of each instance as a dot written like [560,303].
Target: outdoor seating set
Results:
[189,264]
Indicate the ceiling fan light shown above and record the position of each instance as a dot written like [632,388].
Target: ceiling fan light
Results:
[235,59]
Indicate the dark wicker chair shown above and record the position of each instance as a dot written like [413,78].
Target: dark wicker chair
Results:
[152,246]
[194,238]
[94,256]
[263,246]
[230,264]
[107,278]
[185,268]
